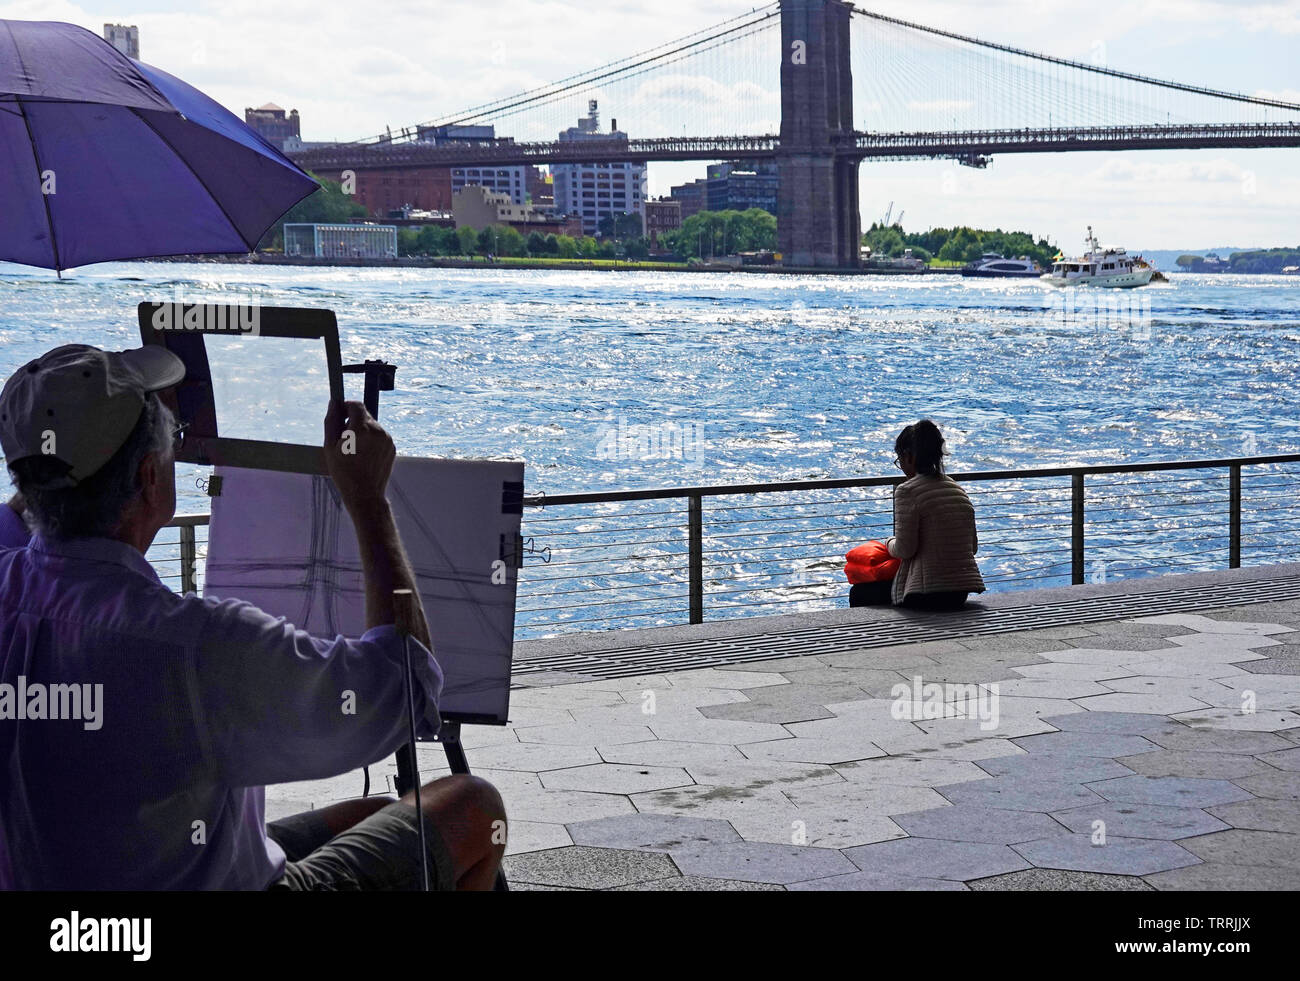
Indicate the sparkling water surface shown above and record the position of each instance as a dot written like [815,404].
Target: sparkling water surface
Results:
[772,377]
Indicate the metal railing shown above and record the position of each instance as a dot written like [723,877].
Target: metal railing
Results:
[683,554]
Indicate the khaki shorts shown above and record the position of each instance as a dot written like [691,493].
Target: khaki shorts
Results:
[380,853]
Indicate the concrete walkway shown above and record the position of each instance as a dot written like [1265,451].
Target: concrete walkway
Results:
[1156,752]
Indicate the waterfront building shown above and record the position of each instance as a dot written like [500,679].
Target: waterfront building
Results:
[125,39]
[324,241]
[662,216]
[592,191]
[273,124]
[477,207]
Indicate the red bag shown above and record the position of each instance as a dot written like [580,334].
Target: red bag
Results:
[870,563]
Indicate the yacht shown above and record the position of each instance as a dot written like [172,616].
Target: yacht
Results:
[993,264]
[1109,266]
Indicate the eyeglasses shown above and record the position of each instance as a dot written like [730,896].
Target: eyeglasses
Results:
[178,436]
[898,463]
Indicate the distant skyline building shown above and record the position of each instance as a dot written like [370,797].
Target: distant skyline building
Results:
[592,191]
[511,180]
[274,125]
[731,186]
[125,38]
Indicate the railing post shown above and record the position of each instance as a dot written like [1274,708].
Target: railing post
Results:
[695,526]
[1076,528]
[1234,516]
[188,558]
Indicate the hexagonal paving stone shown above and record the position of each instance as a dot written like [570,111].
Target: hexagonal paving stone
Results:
[1261,815]
[856,797]
[1265,720]
[720,678]
[969,822]
[651,832]
[758,774]
[667,752]
[1151,702]
[558,806]
[875,882]
[1117,723]
[702,730]
[846,749]
[696,883]
[713,802]
[1151,821]
[910,771]
[1239,847]
[1220,876]
[1205,625]
[1065,670]
[615,778]
[1059,880]
[1106,744]
[579,734]
[818,826]
[1049,688]
[583,867]
[781,704]
[533,757]
[1057,767]
[1283,759]
[1019,794]
[1181,737]
[1173,791]
[750,861]
[941,746]
[1209,766]
[534,836]
[933,858]
[1119,856]
[1284,785]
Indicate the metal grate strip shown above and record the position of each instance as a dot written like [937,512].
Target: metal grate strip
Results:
[625,662]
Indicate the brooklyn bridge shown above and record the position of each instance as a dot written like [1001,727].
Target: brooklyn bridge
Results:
[820,86]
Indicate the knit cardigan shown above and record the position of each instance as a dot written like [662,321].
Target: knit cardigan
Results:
[935,537]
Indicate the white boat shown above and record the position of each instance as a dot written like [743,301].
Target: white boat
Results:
[1109,266]
[993,264]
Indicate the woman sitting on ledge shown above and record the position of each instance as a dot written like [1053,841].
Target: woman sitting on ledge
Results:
[934,531]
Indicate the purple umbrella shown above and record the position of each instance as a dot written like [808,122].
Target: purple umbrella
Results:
[102,157]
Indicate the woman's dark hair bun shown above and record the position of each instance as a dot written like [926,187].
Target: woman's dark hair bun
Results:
[927,448]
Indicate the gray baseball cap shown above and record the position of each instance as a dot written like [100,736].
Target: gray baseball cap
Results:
[79,404]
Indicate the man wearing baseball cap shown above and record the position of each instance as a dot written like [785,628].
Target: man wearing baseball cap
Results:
[139,727]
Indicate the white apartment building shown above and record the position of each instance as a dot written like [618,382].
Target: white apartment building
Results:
[593,191]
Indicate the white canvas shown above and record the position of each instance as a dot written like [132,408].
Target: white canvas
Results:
[285,543]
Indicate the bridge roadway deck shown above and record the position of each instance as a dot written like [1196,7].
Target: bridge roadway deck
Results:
[1144,735]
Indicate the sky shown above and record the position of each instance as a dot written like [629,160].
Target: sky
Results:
[353,68]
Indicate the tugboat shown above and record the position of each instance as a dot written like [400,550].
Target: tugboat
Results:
[993,264]
[1112,267]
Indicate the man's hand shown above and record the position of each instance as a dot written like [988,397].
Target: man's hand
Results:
[358,453]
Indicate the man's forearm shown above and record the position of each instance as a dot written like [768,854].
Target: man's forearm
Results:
[386,568]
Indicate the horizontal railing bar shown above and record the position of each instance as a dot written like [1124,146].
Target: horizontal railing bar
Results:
[722,490]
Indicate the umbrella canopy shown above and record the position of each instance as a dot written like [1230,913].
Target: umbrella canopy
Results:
[103,157]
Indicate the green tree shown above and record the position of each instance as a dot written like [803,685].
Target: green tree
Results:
[466,240]
[328,204]
[566,246]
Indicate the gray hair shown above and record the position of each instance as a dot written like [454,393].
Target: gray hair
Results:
[95,507]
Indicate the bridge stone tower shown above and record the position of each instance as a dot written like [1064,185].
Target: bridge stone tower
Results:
[817,209]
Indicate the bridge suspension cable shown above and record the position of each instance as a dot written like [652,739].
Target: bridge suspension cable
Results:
[1081,65]
[760,20]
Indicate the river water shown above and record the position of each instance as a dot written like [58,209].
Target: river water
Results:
[606,381]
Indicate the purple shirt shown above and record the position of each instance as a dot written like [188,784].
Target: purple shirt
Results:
[204,702]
